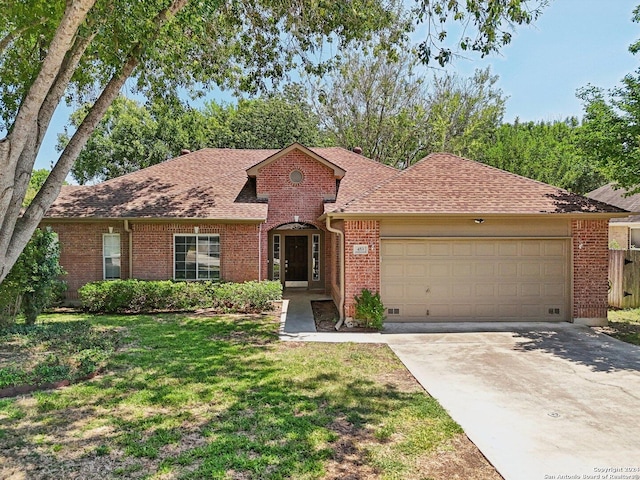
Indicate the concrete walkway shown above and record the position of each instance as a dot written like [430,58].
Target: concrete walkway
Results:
[540,400]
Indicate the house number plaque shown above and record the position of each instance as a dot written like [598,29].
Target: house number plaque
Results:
[360,249]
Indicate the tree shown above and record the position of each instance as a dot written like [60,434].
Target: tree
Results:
[87,49]
[132,136]
[545,151]
[610,132]
[377,103]
[463,111]
[397,117]
[32,283]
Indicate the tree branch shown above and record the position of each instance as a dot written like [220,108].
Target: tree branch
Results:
[73,17]
[26,224]
[6,41]
[27,158]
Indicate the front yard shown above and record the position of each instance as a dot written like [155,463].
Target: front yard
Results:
[624,325]
[188,396]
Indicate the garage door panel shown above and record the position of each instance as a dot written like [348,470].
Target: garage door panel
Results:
[416,249]
[392,249]
[508,249]
[416,270]
[485,290]
[485,269]
[439,269]
[462,280]
[440,249]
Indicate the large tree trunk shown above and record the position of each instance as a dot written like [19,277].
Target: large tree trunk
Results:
[19,149]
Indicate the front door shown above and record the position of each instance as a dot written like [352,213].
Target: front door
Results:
[296,265]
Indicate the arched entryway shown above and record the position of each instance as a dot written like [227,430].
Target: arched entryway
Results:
[295,255]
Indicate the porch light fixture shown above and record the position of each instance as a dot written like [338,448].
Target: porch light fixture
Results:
[296,218]
[478,220]
[110,229]
[196,229]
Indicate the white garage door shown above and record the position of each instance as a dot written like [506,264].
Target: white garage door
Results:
[475,280]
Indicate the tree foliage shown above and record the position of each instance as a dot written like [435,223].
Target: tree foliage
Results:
[33,282]
[132,136]
[398,116]
[487,25]
[85,50]
[611,130]
[545,151]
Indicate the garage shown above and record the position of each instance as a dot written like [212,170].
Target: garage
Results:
[494,279]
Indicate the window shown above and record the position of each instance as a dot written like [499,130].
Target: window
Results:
[276,257]
[315,257]
[634,238]
[111,256]
[197,257]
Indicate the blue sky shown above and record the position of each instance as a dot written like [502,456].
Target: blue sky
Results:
[574,42]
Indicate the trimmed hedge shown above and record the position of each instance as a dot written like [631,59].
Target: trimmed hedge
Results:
[137,296]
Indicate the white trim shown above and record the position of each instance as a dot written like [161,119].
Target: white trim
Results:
[104,257]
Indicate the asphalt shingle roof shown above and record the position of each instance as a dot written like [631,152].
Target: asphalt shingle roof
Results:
[618,197]
[213,183]
[442,183]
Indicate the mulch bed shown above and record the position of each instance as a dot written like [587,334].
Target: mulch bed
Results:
[325,314]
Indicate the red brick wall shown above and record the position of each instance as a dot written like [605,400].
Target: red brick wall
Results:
[361,271]
[286,200]
[81,250]
[153,249]
[590,268]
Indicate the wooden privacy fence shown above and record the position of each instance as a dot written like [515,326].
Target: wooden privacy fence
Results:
[624,278]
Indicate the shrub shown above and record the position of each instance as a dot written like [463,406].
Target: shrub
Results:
[136,296]
[369,309]
[33,282]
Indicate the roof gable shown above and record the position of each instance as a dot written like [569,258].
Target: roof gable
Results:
[338,171]
[443,183]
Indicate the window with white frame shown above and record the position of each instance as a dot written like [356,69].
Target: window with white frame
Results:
[634,238]
[315,257]
[196,257]
[276,257]
[111,256]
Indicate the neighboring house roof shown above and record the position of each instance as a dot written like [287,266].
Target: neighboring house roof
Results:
[447,184]
[618,196]
[218,184]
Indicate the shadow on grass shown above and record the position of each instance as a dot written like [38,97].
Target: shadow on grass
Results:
[584,347]
[213,398]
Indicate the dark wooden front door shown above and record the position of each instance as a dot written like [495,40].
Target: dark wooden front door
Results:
[296,259]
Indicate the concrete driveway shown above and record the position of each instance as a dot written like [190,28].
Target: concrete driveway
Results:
[541,401]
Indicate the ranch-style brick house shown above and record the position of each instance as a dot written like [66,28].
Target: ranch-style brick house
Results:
[446,240]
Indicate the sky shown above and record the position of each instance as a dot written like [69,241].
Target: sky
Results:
[573,43]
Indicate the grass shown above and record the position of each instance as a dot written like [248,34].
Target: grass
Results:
[53,351]
[192,397]
[625,325]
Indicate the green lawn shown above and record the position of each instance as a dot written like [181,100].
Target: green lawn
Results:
[220,397]
[624,325]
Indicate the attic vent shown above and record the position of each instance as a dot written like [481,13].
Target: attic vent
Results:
[296,177]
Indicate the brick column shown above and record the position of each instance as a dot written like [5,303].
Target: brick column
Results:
[361,270]
[590,271]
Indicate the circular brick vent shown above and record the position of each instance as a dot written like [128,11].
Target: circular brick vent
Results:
[296,177]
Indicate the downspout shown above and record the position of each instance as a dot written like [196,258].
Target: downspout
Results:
[130,245]
[260,252]
[341,256]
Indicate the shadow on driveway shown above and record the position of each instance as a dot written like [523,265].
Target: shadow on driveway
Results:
[582,346]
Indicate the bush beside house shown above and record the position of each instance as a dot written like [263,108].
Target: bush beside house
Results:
[136,296]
